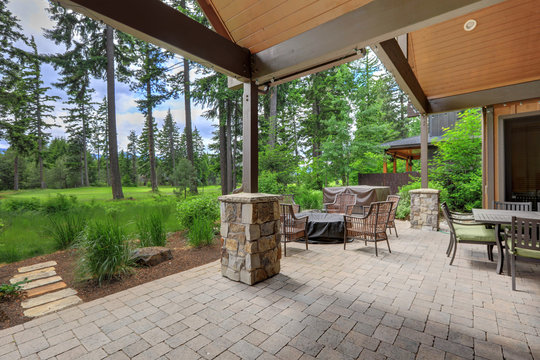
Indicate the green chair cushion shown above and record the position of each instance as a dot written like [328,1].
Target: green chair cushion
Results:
[534,254]
[474,233]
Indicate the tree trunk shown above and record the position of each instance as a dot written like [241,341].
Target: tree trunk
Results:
[134,167]
[86,182]
[222,149]
[16,173]
[151,151]
[40,143]
[235,145]
[115,178]
[229,147]
[187,130]
[82,168]
[273,117]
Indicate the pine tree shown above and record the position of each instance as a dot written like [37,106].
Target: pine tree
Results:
[40,107]
[168,140]
[100,139]
[132,156]
[150,80]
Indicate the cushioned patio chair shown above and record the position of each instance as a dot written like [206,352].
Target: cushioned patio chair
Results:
[392,219]
[340,204]
[292,228]
[289,199]
[518,206]
[370,227]
[523,241]
[467,232]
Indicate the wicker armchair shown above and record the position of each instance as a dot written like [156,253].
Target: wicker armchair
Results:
[523,241]
[341,203]
[289,199]
[392,219]
[518,206]
[370,227]
[292,228]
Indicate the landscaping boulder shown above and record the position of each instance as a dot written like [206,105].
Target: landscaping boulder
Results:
[151,256]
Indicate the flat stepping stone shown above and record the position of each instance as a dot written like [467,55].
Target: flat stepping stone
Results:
[37,266]
[27,274]
[53,306]
[40,282]
[36,276]
[45,289]
[47,298]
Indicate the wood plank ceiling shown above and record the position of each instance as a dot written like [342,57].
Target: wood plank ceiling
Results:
[260,24]
[502,50]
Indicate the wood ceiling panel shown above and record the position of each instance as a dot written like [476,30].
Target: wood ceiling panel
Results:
[260,24]
[504,49]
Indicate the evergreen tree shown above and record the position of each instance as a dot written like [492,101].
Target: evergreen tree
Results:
[132,156]
[150,80]
[168,139]
[100,137]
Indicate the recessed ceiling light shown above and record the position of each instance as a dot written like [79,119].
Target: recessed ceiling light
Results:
[469,25]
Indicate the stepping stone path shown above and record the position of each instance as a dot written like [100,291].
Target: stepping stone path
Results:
[45,291]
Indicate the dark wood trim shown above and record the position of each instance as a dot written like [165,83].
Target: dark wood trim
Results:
[490,178]
[161,25]
[391,55]
[214,18]
[377,21]
[250,150]
[523,91]
[424,131]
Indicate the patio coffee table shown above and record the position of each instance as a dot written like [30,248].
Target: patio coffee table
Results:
[323,227]
[497,218]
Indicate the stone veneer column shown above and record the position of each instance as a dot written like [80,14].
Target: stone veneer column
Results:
[425,209]
[250,237]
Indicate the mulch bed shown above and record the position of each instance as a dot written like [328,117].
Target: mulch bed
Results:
[184,258]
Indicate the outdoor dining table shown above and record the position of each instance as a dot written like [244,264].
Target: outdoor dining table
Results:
[324,227]
[497,218]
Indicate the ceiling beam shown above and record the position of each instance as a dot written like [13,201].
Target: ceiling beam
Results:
[214,18]
[499,95]
[377,21]
[159,24]
[391,55]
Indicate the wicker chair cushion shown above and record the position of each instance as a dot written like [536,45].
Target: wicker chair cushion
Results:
[530,253]
[474,233]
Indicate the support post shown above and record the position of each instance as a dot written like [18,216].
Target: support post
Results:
[395,164]
[250,160]
[424,150]
[385,166]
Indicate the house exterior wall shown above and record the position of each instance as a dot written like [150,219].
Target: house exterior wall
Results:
[491,144]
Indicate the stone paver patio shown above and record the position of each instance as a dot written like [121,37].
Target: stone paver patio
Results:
[327,303]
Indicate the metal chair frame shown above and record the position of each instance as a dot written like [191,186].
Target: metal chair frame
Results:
[292,228]
[341,203]
[524,234]
[392,219]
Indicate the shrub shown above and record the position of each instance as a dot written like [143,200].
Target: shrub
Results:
[66,229]
[20,205]
[104,250]
[197,207]
[60,203]
[9,291]
[151,229]
[269,183]
[404,207]
[307,198]
[201,232]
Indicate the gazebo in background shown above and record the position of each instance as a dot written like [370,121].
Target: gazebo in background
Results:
[447,56]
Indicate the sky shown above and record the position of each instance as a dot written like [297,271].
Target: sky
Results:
[33,18]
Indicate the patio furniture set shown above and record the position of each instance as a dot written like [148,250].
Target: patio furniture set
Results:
[338,222]
[510,226]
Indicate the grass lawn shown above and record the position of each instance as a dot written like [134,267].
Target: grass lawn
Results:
[25,233]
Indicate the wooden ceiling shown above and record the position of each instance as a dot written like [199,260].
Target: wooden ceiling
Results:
[503,49]
[260,24]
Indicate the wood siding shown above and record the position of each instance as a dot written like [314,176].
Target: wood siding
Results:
[518,107]
[258,25]
[502,50]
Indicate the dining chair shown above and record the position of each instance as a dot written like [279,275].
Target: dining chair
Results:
[292,228]
[523,241]
[508,205]
[467,232]
[392,219]
[289,199]
[370,227]
[340,204]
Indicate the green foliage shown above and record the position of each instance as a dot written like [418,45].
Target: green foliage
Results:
[201,232]
[201,206]
[457,164]
[151,229]
[269,183]
[104,251]
[404,207]
[60,203]
[10,291]
[184,175]
[307,198]
[20,205]
[65,229]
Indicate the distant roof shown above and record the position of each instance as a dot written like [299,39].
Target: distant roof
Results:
[410,142]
